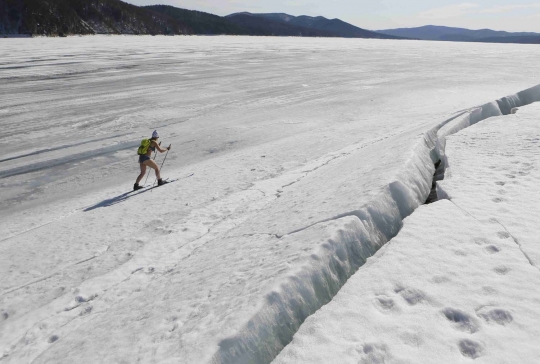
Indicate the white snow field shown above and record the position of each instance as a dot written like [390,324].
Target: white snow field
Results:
[462,278]
[306,155]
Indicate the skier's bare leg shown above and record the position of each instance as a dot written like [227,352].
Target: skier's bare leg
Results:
[141,175]
[150,163]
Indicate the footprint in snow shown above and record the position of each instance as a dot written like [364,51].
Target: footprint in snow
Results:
[482,240]
[412,296]
[470,349]
[374,354]
[462,321]
[502,270]
[86,311]
[503,234]
[497,316]
[492,249]
[385,304]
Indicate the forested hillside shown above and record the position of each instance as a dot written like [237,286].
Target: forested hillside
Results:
[70,17]
[200,22]
[65,17]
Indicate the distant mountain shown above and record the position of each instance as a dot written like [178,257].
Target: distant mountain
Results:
[69,17]
[200,22]
[432,32]
[529,39]
[333,27]
[64,17]
[258,25]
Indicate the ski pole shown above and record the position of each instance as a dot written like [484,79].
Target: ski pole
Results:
[148,174]
[162,163]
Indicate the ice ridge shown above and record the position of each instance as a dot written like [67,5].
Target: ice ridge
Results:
[359,235]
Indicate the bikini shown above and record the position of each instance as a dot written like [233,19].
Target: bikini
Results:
[143,158]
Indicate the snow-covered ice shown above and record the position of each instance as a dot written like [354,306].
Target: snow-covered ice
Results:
[462,278]
[307,155]
[446,289]
[500,183]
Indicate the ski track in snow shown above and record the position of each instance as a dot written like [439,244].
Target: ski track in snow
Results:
[229,264]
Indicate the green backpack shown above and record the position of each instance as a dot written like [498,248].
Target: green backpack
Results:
[145,144]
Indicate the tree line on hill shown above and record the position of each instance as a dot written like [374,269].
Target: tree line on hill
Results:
[72,17]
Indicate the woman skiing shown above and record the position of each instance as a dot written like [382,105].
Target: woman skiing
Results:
[145,160]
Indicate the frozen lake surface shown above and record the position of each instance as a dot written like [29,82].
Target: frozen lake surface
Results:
[306,156]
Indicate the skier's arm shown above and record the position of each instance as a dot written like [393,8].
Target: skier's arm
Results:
[161,150]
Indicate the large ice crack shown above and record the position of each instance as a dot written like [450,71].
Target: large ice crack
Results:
[272,327]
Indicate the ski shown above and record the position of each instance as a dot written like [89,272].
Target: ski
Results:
[169,180]
[140,189]
[166,180]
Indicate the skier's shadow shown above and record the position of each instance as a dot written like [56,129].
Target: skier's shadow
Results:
[115,200]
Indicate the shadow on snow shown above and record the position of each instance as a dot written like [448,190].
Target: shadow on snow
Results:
[117,199]
[126,195]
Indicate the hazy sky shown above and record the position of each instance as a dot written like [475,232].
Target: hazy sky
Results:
[382,14]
